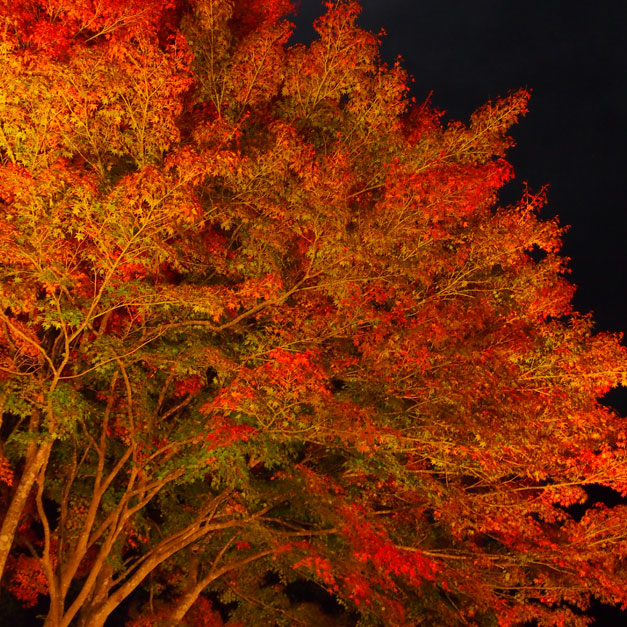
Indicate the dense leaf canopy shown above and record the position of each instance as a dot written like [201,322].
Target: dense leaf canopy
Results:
[265,330]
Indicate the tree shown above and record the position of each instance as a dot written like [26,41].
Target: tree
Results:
[263,323]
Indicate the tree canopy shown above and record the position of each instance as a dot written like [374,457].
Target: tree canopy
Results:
[265,327]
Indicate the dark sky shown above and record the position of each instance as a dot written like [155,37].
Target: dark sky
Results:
[572,54]
[573,57]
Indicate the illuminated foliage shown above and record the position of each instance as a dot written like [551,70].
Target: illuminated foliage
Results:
[263,322]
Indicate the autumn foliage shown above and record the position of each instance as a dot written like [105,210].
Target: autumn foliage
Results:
[265,327]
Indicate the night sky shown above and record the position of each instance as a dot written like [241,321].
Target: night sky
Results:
[573,56]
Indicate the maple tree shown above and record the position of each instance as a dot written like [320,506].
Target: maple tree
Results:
[263,322]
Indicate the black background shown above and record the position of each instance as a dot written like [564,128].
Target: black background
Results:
[573,56]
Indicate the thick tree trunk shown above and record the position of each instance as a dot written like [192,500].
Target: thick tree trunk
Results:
[97,608]
[36,458]
[96,618]
[53,619]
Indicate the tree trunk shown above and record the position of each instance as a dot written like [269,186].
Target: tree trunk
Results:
[53,619]
[96,609]
[36,458]
[96,618]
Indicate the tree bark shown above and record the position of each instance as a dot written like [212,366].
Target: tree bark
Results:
[96,613]
[96,618]
[36,458]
